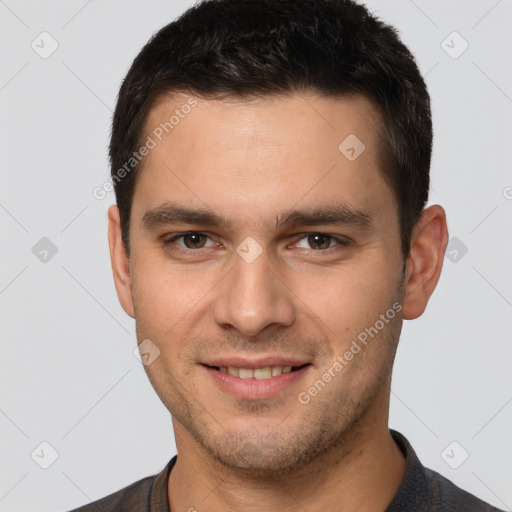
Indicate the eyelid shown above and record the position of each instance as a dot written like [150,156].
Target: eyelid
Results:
[173,238]
[340,239]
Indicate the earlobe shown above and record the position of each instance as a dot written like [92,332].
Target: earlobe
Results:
[119,261]
[425,260]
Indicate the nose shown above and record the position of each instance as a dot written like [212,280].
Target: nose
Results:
[252,298]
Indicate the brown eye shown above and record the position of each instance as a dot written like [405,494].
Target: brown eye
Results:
[318,241]
[194,240]
[189,243]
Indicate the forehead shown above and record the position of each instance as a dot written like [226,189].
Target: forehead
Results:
[290,119]
[246,156]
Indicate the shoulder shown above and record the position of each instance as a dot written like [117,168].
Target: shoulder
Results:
[425,490]
[451,497]
[132,497]
[147,494]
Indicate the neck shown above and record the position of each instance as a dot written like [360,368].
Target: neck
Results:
[362,472]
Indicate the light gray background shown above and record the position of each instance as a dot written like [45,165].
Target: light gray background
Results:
[68,375]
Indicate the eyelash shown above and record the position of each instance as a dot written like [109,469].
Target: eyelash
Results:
[185,250]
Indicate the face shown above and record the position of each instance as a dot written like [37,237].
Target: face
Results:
[266,269]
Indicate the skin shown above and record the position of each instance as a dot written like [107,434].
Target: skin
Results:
[250,161]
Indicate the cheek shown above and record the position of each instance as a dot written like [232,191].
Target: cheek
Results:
[166,297]
[346,300]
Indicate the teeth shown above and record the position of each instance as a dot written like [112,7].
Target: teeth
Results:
[263,373]
[259,373]
[233,371]
[245,373]
[276,370]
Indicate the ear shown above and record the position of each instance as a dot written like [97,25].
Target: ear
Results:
[425,260]
[120,261]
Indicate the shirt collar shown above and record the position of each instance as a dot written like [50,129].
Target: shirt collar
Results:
[159,498]
[414,484]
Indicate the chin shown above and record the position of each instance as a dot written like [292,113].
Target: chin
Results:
[257,461]
[270,455]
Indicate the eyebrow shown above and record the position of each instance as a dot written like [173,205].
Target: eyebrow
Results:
[331,215]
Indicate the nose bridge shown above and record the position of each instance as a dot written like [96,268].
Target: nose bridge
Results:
[252,296]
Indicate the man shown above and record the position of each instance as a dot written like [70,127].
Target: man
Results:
[271,163]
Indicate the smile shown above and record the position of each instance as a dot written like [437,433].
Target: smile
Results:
[266,372]
[256,383]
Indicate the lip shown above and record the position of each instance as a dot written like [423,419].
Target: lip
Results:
[256,389]
[252,363]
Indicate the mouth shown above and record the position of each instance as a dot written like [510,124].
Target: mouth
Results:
[260,381]
[262,373]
